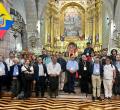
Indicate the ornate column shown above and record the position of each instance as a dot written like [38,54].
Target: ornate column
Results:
[31,18]
[100,24]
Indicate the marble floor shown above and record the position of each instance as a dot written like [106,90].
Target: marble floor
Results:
[65,102]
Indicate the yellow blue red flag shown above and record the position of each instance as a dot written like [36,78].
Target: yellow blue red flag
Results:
[5,21]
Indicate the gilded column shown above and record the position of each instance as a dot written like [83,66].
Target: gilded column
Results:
[52,31]
[100,24]
[62,24]
[46,30]
[94,26]
[86,25]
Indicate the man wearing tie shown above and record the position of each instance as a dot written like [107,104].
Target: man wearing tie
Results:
[72,68]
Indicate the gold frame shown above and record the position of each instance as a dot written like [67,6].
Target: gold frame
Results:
[61,19]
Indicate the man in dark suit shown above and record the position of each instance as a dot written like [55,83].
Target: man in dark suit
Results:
[3,73]
[62,62]
[40,77]
[15,72]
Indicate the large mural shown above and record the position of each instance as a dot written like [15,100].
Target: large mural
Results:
[72,22]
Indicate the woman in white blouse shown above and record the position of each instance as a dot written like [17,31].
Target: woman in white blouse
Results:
[109,75]
[28,76]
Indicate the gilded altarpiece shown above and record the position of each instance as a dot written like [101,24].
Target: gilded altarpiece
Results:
[74,23]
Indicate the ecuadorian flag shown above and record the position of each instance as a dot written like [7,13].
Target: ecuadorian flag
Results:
[5,21]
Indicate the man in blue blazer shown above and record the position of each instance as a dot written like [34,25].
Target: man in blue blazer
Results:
[96,70]
[15,72]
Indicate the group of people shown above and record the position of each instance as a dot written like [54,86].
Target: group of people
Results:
[96,73]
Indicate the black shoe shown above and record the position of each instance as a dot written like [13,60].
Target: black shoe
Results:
[109,98]
[0,95]
[93,99]
[105,99]
[99,98]
[73,92]
[42,96]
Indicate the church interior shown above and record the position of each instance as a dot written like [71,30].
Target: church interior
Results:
[28,27]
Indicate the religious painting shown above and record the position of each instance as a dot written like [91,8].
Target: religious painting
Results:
[72,22]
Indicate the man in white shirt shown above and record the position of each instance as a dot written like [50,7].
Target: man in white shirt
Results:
[72,68]
[53,69]
[108,78]
[9,62]
[3,72]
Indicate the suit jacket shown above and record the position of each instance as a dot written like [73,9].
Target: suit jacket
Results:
[82,72]
[6,68]
[36,71]
[62,62]
[12,70]
[92,67]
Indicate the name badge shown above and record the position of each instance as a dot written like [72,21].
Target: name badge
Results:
[85,68]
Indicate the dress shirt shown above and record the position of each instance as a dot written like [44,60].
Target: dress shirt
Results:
[15,71]
[41,70]
[96,69]
[9,63]
[72,65]
[53,69]
[2,69]
[118,66]
[47,60]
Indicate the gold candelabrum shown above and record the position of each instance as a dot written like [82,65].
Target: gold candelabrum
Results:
[89,26]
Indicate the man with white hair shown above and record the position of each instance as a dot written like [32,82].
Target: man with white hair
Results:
[15,72]
[9,62]
[54,70]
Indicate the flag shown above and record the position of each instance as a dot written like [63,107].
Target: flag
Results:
[6,21]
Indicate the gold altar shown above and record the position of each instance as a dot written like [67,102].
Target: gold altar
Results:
[77,21]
